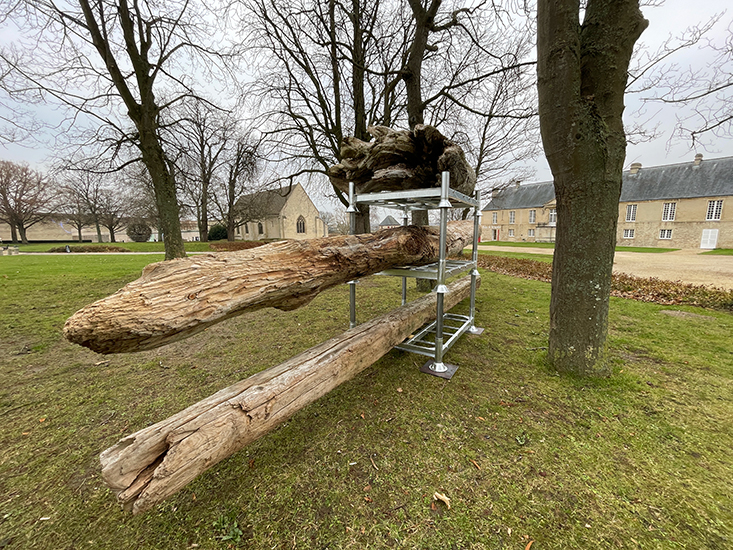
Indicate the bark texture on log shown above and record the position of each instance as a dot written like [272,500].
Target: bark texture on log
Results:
[147,467]
[401,159]
[176,299]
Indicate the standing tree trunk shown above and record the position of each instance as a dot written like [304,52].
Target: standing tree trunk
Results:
[13,233]
[23,237]
[582,74]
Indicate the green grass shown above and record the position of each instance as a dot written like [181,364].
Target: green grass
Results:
[523,255]
[720,252]
[641,460]
[519,244]
[135,247]
[643,249]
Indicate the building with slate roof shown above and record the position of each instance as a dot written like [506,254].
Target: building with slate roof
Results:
[388,223]
[275,216]
[672,206]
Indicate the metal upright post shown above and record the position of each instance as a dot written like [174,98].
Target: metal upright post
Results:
[474,258]
[352,210]
[437,366]
[404,279]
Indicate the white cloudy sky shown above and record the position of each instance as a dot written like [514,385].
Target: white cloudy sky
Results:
[669,20]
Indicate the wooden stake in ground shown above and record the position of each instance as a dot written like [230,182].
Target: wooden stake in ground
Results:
[176,299]
[147,467]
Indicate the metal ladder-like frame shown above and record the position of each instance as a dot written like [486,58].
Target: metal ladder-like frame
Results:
[430,339]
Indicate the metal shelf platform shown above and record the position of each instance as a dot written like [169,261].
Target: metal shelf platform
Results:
[417,199]
[423,342]
[430,271]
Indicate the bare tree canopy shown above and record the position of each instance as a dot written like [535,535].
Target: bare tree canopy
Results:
[118,66]
[26,198]
[703,95]
[328,70]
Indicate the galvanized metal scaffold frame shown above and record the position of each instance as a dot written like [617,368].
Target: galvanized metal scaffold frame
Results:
[430,339]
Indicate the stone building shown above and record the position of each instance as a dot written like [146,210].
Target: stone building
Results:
[275,215]
[671,206]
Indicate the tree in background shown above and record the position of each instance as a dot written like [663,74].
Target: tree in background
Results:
[26,198]
[72,210]
[582,71]
[238,180]
[113,211]
[121,65]
[201,137]
[83,193]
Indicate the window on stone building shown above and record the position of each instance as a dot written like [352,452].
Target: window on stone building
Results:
[246,228]
[512,216]
[532,216]
[553,216]
[530,232]
[628,233]
[511,232]
[260,229]
[715,209]
[300,225]
[630,212]
[665,233]
[494,217]
[668,211]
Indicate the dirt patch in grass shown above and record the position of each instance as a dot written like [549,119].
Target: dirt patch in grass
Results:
[685,314]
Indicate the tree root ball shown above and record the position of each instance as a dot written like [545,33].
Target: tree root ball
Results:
[397,160]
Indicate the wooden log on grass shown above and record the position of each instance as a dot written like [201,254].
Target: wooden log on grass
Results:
[149,466]
[175,299]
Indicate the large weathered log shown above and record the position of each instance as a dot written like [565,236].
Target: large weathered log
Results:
[175,299]
[147,467]
[401,159]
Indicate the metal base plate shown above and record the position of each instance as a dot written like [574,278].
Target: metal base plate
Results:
[447,374]
[476,331]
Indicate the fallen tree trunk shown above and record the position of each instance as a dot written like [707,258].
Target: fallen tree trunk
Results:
[147,467]
[176,299]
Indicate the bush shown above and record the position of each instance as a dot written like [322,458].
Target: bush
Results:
[139,231]
[217,232]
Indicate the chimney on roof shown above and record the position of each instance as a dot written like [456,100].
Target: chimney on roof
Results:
[698,159]
[635,167]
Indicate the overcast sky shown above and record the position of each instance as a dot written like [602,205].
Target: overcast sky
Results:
[669,20]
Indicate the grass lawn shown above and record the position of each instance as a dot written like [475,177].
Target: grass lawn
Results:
[133,246]
[644,249]
[641,460]
[721,252]
[522,255]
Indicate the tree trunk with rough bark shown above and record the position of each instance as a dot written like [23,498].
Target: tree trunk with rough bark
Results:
[582,74]
[176,299]
[147,467]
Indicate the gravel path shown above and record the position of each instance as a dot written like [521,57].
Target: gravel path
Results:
[687,265]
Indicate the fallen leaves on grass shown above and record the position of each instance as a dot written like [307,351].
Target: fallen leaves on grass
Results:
[442,498]
[643,289]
